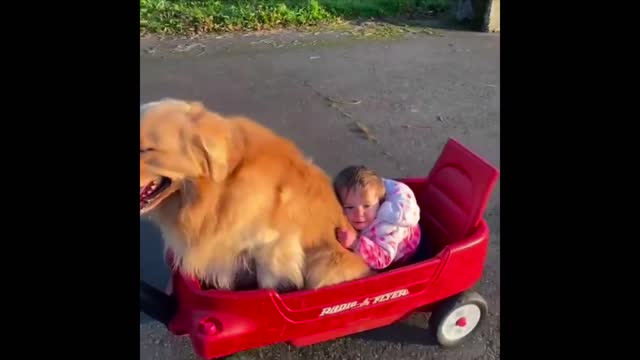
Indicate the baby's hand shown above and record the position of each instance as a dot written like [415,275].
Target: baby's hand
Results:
[346,237]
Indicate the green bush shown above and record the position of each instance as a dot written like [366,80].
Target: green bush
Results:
[197,16]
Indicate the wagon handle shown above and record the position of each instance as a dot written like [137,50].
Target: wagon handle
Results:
[156,304]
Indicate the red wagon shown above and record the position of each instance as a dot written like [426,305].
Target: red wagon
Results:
[452,198]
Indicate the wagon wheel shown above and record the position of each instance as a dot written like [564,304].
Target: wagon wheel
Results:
[458,318]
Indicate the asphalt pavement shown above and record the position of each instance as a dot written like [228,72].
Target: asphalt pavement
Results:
[390,104]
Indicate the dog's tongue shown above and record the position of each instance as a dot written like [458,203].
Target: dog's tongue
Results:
[144,190]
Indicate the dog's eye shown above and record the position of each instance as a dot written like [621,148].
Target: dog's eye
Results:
[146,150]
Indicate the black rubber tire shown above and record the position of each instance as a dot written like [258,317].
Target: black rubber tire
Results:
[450,305]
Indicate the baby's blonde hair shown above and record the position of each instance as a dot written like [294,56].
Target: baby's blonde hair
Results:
[358,177]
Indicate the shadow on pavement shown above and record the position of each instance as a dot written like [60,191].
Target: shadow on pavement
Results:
[441,23]
[442,20]
[153,270]
[401,333]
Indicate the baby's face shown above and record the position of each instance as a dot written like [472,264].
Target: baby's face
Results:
[360,206]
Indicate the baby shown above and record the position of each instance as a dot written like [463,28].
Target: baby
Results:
[383,211]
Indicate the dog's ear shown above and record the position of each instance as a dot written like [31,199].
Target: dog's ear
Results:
[217,139]
[211,138]
[185,106]
[196,110]
[214,156]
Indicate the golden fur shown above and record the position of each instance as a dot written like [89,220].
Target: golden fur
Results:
[241,198]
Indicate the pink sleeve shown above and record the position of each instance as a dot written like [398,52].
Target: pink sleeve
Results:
[400,207]
[380,246]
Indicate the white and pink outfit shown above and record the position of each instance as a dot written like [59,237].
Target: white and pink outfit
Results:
[394,235]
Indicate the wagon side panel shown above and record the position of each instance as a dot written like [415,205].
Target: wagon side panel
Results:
[220,323]
[362,305]
[464,265]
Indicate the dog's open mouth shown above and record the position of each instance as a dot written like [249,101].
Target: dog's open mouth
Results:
[150,192]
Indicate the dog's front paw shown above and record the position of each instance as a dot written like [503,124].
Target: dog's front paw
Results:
[281,285]
[286,287]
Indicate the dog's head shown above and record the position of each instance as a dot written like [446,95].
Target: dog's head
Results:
[179,141]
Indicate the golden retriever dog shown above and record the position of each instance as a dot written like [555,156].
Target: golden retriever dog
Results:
[231,197]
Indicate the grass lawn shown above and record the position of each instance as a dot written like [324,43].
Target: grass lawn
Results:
[198,16]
